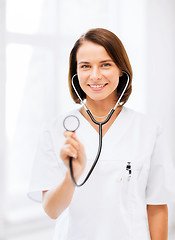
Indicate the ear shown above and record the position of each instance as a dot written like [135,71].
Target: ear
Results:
[121,73]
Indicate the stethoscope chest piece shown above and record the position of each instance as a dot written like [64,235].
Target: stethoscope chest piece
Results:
[71,123]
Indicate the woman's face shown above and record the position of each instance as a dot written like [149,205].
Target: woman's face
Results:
[97,73]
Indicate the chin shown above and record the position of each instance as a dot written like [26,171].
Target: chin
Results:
[98,98]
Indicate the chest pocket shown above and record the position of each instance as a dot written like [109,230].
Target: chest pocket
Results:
[134,171]
[119,173]
[121,170]
[127,177]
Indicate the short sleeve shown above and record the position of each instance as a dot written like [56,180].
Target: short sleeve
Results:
[47,172]
[161,180]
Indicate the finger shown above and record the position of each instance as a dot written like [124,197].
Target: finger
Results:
[70,151]
[73,142]
[68,134]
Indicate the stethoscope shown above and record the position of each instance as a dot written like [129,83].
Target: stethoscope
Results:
[71,123]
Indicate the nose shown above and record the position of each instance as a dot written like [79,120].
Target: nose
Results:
[95,74]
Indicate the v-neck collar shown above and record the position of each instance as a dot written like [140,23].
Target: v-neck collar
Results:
[115,124]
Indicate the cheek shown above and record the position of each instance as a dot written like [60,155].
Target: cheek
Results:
[82,78]
[81,82]
[114,79]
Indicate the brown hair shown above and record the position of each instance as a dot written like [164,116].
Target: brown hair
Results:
[116,51]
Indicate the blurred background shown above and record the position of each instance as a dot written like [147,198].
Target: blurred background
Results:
[36,37]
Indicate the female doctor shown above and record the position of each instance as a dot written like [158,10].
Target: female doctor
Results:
[114,203]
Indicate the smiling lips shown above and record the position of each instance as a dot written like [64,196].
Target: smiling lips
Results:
[97,87]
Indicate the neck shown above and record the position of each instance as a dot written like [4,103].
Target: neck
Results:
[101,109]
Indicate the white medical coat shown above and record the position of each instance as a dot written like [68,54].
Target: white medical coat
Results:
[110,205]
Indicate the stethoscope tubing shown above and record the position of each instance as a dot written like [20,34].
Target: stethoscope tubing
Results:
[94,163]
[100,124]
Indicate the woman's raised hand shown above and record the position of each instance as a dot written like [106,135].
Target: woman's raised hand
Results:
[75,149]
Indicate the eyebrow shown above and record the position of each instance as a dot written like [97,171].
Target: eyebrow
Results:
[107,60]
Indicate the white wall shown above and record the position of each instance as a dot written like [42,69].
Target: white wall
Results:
[160,79]
[160,73]
[2,110]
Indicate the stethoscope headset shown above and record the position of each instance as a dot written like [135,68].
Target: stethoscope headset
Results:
[71,123]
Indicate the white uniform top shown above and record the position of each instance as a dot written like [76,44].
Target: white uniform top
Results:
[110,205]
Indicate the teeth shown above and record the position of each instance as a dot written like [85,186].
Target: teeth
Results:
[97,86]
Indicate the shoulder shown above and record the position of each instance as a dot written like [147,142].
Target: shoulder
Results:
[142,120]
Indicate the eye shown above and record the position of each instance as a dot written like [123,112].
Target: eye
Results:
[106,65]
[85,66]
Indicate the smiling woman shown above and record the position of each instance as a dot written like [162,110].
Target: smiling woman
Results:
[97,72]
[126,195]
[99,52]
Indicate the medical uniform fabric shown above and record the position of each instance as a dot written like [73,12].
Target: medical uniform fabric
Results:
[111,205]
